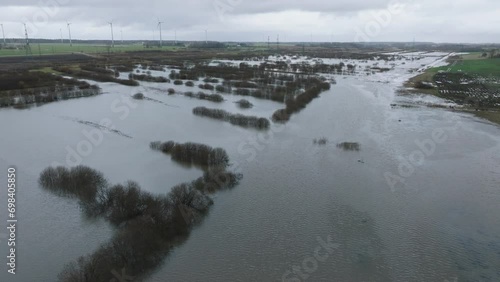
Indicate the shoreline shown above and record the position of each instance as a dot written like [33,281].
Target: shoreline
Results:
[408,88]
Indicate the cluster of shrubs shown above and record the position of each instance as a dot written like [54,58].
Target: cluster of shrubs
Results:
[148,78]
[206,86]
[125,67]
[18,80]
[202,96]
[81,182]
[193,153]
[98,69]
[349,146]
[235,119]
[155,67]
[183,74]
[221,89]
[189,83]
[97,76]
[244,84]
[21,89]
[244,104]
[296,104]
[148,226]
[138,96]
[273,94]
[320,141]
[28,97]
[211,80]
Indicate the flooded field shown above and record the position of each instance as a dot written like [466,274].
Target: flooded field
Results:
[414,197]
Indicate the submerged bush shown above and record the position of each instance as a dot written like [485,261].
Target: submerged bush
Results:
[193,153]
[148,78]
[210,97]
[220,88]
[206,86]
[244,104]
[211,80]
[81,182]
[235,119]
[147,226]
[202,96]
[349,146]
[138,96]
[296,104]
[320,141]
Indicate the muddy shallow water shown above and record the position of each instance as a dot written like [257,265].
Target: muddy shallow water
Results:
[435,218]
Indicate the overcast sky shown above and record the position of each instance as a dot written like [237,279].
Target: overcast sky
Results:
[464,21]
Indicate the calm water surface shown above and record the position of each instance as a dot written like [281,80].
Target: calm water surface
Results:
[442,223]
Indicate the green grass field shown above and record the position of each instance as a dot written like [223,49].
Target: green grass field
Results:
[64,48]
[52,49]
[475,66]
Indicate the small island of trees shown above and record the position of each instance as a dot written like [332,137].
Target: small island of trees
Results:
[147,226]
[235,119]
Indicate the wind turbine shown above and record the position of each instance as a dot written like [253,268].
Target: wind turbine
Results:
[62,40]
[206,36]
[112,35]
[3,33]
[69,32]
[159,25]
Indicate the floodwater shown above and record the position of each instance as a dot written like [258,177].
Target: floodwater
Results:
[396,210]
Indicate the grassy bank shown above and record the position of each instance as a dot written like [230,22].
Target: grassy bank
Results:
[472,81]
[65,48]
